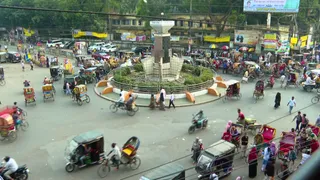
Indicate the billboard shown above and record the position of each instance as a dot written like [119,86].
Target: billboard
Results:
[247,37]
[270,42]
[283,6]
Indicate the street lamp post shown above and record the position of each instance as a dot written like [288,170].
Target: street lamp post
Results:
[190,21]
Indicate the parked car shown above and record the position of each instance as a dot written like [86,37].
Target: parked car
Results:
[138,50]
[96,46]
[109,48]
[55,43]
[13,57]
[100,55]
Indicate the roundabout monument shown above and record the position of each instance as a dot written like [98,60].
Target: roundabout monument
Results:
[190,84]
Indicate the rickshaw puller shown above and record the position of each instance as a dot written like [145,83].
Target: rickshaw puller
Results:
[115,154]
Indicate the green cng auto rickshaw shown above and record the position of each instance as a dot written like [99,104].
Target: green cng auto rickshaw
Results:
[56,73]
[87,147]
[217,158]
[172,171]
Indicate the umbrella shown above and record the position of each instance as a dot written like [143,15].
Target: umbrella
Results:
[243,49]
[213,46]
[225,48]
[251,50]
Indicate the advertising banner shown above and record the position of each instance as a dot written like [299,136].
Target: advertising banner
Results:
[303,40]
[78,34]
[283,6]
[270,42]
[174,38]
[141,38]
[128,37]
[247,37]
[216,39]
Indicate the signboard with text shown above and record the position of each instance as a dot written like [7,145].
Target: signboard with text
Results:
[247,37]
[283,6]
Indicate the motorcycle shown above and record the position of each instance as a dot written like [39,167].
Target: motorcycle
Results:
[21,174]
[197,124]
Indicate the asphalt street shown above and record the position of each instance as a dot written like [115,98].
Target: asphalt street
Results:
[163,135]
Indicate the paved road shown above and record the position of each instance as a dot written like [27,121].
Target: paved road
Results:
[163,135]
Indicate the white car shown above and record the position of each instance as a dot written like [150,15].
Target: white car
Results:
[55,43]
[96,46]
[110,48]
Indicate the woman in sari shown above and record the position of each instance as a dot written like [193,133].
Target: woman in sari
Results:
[253,163]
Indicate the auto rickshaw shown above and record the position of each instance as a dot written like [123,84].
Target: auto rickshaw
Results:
[48,92]
[90,74]
[7,128]
[56,73]
[2,80]
[217,158]
[233,90]
[80,94]
[171,171]
[29,96]
[76,149]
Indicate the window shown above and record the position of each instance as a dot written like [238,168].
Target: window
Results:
[190,23]
[140,23]
[123,22]
[181,23]
[127,22]
[134,22]
[200,24]
[116,22]
[175,23]
[209,24]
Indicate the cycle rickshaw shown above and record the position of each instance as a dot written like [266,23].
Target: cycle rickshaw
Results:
[29,96]
[259,90]
[48,92]
[233,90]
[7,128]
[80,94]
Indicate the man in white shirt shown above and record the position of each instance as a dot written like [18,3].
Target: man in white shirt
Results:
[120,102]
[291,104]
[309,81]
[115,154]
[11,166]
[171,100]
[305,157]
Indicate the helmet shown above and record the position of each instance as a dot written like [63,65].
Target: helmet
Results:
[201,111]
[6,159]
[15,103]
[113,145]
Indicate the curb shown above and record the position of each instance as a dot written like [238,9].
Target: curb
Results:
[143,105]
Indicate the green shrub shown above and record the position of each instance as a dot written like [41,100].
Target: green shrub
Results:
[197,80]
[138,67]
[197,71]
[189,81]
[187,68]
[122,79]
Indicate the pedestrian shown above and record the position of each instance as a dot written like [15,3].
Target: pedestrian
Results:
[305,156]
[31,65]
[270,169]
[68,91]
[273,149]
[225,67]
[253,162]
[298,119]
[152,104]
[291,104]
[292,156]
[97,76]
[47,60]
[22,65]
[244,143]
[304,121]
[161,99]
[318,121]
[277,100]
[171,100]
[266,157]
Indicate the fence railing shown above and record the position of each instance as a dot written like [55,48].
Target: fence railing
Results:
[154,89]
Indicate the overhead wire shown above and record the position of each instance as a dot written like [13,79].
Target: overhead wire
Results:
[213,146]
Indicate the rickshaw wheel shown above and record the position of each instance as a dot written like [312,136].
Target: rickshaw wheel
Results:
[315,100]
[136,108]
[103,170]
[87,99]
[224,99]
[2,82]
[308,89]
[135,163]
[79,101]
[318,90]
[113,108]
[239,96]
[12,136]
[131,112]
[70,167]
[24,126]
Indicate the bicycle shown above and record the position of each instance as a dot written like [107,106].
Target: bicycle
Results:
[315,99]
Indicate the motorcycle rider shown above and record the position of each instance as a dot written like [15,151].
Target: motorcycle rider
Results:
[26,83]
[199,117]
[115,154]
[10,167]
